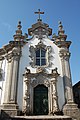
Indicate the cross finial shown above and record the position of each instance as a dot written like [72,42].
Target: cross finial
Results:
[39,12]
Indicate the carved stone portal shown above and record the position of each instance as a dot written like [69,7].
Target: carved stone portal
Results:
[31,81]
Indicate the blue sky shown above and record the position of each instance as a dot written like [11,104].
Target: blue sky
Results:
[67,11]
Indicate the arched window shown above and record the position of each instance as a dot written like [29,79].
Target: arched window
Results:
[40,57]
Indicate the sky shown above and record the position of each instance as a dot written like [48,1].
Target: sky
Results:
[67,11]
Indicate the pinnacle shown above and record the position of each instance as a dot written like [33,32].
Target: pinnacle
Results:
[19,25]
[60,25]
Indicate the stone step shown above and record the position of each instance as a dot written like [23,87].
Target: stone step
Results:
[42,118]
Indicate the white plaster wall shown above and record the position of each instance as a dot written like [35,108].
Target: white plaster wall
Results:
[24,62]
[57,63]
[2,82]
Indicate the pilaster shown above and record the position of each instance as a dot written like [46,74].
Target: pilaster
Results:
[10,101]
[54,108]
[70,108]
[54,97]
[65,55]
[26,99]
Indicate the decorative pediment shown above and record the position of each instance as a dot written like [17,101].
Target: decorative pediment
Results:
[40,27]
[41,77]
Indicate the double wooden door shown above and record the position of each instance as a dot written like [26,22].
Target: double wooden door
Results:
[40,104]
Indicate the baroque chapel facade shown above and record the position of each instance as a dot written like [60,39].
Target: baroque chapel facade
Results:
[35,76]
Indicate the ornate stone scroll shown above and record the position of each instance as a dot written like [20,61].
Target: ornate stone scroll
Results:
[48,50]
[26,99]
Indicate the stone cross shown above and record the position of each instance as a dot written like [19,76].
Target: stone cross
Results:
[39,12]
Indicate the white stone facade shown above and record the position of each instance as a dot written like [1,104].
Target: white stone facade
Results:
[56,63]
[20,75]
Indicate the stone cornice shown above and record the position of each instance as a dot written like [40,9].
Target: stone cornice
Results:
[5,49]
[62,36]
[14,54]
[63,43]
[64,54]
[28,73]
[18,43]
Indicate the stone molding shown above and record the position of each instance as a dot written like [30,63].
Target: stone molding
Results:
[14,54]
[64,54]
[5,51]
[12,80]
[33,49]
[10,109]
[71,109]
[32,80]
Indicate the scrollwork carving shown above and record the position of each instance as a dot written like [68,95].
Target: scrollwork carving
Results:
[40,69]
[48,50]
[41,45]
[27,94]
[64,54]
[27,71]
[9,57]
[14,54]
[47,84]
[32,55]
[40,78]
[16,51]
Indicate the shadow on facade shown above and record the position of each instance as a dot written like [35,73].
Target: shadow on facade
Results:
[4,116]
[76,93]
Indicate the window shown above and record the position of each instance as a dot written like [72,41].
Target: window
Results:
[40,57]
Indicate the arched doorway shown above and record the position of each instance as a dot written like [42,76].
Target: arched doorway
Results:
[40,104]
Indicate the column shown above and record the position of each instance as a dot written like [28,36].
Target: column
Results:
[54,96]
[10,101]
[70,108]
[14,75]
[26,99]
[68,79]
[65,55]
[13,86]
[8,80]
